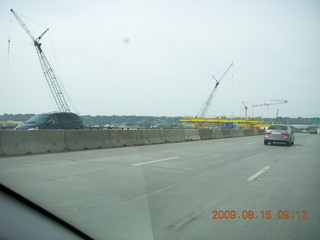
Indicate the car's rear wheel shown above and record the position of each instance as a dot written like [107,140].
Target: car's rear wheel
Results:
[266,142]
[289,143]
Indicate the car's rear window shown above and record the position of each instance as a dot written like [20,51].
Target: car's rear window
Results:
[278,127]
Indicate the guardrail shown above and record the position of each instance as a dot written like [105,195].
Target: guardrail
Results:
[49,141]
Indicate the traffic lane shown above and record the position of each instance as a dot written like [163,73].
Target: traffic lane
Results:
[227,144]
[82,188]
[181,210]
[267,192]
[181,203]
[189,187]
[64,165]
[195,156]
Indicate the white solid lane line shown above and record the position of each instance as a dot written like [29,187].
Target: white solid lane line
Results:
[254,176]
[160,160]
[251,143]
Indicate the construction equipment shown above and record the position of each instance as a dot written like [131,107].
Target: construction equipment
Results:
[273,102]
[52,80]
[246,123]
[210,98]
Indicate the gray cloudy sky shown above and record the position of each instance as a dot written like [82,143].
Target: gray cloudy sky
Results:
[139,57]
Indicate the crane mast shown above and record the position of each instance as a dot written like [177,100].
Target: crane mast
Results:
[209,100]
[52,81]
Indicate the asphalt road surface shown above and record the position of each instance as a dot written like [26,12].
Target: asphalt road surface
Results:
[235,188]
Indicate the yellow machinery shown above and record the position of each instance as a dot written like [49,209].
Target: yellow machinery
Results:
[202,120]
[9,124]
[244,122]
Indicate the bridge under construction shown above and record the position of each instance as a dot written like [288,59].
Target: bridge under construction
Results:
[202,120]
[246,123]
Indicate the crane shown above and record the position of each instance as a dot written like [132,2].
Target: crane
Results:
[51,78]
[207,104]
[268,104]
[273,102]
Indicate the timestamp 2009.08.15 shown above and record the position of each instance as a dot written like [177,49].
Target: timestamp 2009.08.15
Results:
[265,214]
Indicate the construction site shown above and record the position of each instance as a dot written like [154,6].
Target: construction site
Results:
[204,121]
[201,120]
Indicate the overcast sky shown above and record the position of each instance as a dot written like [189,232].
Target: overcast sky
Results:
[157,58]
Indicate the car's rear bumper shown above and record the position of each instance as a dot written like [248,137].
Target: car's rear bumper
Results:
[277,139]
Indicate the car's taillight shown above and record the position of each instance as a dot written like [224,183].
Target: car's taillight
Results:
[267,132]
[284,133]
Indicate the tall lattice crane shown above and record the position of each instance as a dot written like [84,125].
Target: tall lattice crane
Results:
[208,103]
[52,80]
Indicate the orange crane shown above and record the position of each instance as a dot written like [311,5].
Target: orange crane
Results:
[273,102]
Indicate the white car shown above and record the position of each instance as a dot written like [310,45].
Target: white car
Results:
[279,133]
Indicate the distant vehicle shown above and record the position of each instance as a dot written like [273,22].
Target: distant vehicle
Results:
[279,133]
[57,120]
[313,131]
[229,125]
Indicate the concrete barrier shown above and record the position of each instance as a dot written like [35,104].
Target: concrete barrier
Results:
[153,136]
[226,133]
[175,135]
[249,132]
[230,133]
[46,141]
[1,148]
[206,134]
[31,142]
[217,134]
[237,133]
[259,132]
[87,139]
[122,138]
[192,134]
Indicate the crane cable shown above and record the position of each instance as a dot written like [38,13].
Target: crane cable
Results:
[232,74]
[9,41]
[59,79]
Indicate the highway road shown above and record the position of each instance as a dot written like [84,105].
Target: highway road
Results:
[181,190]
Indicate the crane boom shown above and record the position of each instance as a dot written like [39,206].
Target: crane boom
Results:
[268,104]
[274,102]
[209,100]
[52,81]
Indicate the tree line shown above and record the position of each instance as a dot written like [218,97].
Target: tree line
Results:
[112,121]
[141,121]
